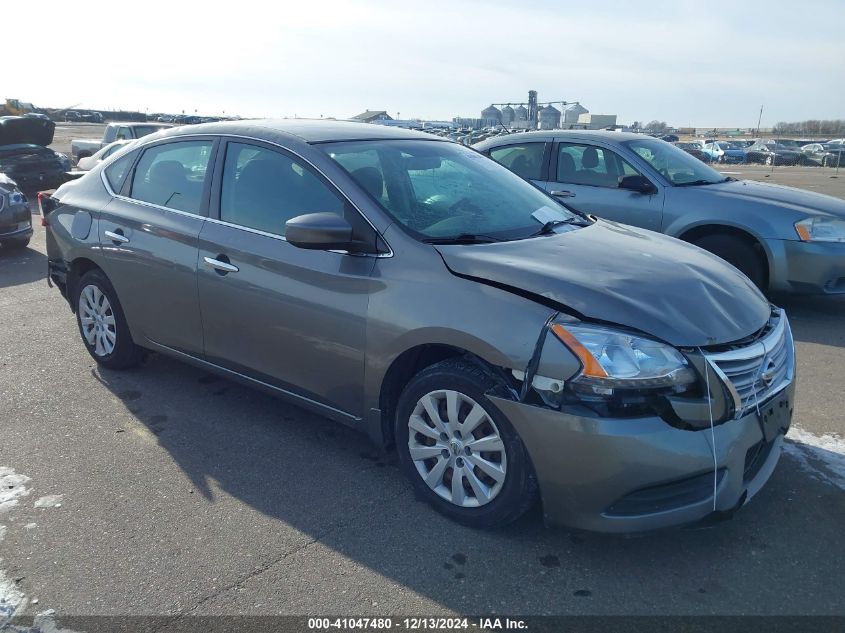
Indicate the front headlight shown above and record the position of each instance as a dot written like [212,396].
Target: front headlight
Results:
[821,229]
[615,359]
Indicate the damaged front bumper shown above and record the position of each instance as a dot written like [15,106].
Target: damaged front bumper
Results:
[639,474]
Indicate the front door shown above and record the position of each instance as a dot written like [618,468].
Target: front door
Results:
[586,177]
[289,317]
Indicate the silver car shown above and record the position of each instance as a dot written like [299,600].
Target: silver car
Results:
[784,239]
[509,348]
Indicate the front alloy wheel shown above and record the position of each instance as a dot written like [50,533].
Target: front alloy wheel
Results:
[457,449]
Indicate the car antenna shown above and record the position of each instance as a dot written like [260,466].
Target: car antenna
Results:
[504,128]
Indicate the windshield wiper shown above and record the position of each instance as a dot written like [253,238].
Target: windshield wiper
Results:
[695,183]
[463,238]
[549,227]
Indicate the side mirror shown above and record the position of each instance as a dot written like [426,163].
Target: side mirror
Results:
[637,183]
[319,231]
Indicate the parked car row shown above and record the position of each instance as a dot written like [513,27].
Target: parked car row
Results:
[629,380]
[766,151]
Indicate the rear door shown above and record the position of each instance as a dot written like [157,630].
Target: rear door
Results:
[149,233]
[586,177]
[289,317]
[529,159]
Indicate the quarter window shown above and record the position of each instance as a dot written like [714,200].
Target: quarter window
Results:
[173,175]
[116,172]
[590,165]
[262,189]
[525,160]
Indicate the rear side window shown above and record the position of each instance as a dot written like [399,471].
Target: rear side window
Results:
[172,175]
[524,160]
[116,172]
[262,189]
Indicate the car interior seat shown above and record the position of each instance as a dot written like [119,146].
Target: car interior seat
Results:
[371,180]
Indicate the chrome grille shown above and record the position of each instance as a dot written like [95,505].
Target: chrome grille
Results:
[759,370]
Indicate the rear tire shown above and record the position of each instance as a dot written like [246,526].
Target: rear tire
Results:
[456,388]
[769,160]
[101,323]
[739,253]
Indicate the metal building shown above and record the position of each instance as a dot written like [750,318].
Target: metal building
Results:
[521,113]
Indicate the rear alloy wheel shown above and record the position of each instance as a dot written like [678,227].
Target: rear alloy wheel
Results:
[769,160]
[102,324]
[739,253]
[459,451]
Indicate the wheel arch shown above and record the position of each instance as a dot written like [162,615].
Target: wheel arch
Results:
[693,233]
[78,267]
[407,365]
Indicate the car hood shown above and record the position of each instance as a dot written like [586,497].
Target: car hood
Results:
[778,195]
[16,130]
[619,274]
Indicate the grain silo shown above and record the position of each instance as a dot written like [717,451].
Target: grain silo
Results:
[549,118]
[491,115]
[508,115]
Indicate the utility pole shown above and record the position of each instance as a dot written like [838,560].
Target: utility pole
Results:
[760,118]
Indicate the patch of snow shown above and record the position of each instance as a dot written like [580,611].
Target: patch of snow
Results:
[12,488]
[2,532]
[821,456]
[11,599]
[49,501]
[30,526]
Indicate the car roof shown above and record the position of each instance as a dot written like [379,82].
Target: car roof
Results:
[595,135]
[308,130]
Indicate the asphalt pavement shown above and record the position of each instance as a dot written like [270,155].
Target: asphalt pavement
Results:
[167,491]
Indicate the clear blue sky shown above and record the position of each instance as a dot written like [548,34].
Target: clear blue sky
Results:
[688,63]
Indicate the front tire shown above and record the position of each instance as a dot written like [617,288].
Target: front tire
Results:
[739,253]
[102,325]
[460,452]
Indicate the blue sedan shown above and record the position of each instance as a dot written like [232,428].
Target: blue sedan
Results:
[784,239]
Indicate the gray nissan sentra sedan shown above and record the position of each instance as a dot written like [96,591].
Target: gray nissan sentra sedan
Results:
[508,347]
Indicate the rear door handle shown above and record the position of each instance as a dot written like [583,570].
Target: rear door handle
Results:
[220,266]
[116,236]
[563,194]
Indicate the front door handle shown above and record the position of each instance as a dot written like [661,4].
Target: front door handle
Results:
[220,266]
[116,236]
[563,194]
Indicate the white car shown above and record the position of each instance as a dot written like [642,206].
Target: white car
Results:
[89,162]
[714,150]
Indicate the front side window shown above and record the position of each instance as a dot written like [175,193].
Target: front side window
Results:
[524,160]
[172,175]
[441,190]
[580,164]
[262,189]
[677,166]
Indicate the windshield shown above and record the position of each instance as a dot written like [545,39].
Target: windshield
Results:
[438,189]
[676,165]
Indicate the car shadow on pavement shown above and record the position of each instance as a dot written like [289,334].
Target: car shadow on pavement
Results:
[372,537]
[21,266]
